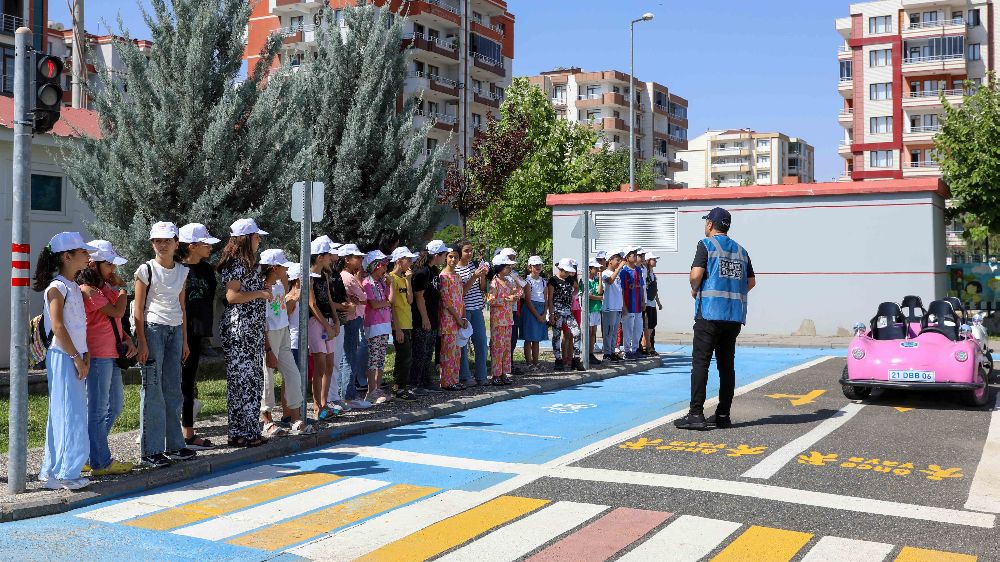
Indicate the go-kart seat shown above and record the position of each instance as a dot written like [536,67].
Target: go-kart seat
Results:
[959,308]
[888,323]
[914,309]
[941,319]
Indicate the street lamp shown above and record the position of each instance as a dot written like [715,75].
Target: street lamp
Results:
[631,103]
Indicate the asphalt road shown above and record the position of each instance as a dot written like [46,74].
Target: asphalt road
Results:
[595,472]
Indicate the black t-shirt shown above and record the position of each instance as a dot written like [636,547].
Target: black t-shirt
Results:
[701,260]
[199,295]
[339,294]
[562,294]
[426,279]
[320,286]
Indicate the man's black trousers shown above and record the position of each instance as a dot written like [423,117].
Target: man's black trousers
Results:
[713,336]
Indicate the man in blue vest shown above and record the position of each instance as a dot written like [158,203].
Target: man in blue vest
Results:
[721,277]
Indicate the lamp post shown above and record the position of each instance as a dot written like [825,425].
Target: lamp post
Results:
[631,103]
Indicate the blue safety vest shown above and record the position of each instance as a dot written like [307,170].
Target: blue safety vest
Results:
[723,292]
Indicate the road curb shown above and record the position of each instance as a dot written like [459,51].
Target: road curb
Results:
[104,491]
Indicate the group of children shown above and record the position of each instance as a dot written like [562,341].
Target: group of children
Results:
[427,303]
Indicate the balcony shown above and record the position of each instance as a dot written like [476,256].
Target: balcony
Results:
[676,165]
[486,98]
[947,64]
[731,151]
[660,109]
[844,148]
[437,11]
[292,7]
[431,84]
[490,32]
[559,102]
[921,169]
[844,27]
[9,23]
[660,135]
[846,87]
[587,101]
[844,52]
[846,116]
[933,28]
[440,121]
[442,50]
[932,98]
[731,167]
[677,142]
[612,124]
[845,176]
[488,64]
[920,134]
[297,37]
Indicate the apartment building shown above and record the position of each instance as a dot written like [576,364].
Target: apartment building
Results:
[602,99]
[14,14]
[735,157]
[898,58]
[459,64]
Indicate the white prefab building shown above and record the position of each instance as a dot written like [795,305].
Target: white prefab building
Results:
[827,253]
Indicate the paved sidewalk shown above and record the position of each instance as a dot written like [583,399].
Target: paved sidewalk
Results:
[38,501]
[764,340]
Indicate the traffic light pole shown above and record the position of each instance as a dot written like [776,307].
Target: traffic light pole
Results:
[20,272]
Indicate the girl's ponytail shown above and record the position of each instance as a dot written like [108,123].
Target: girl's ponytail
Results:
[46,268]
[181,254]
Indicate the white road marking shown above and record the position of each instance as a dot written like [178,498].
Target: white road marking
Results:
[232,524]
[984,494]
[130,509]
[524,535]
[445,461]
[483,429]
[370,535]
[774,462]
[836,549]
[688,539]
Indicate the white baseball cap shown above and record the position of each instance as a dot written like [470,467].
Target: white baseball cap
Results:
[349,250]
[163,230]
[601,255]
[244,227]
[594,263]
[464,333]
[321,245]
[651,256]
[535,260]
[503,259]
[66,241]
[400,253]
[437,247]
[640,250]
[196,233]
[274,257]
[565,265]
[508,252]
[105,252]
[573,262]
[295,271]
[372,257]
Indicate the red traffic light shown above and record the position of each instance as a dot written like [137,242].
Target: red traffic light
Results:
[50,67]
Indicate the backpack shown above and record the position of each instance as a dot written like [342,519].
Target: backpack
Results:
[38,342]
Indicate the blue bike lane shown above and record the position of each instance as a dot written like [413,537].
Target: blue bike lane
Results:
[532,430]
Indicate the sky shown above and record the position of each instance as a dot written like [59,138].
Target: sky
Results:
[770,65]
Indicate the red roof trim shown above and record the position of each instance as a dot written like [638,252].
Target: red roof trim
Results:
[83,120]
[914,185]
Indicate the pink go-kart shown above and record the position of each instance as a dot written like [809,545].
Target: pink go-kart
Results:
[928,349]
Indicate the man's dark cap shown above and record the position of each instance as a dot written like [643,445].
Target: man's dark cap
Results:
[719,216]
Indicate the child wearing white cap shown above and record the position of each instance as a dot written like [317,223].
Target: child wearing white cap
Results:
[194,248]
[501,296]
[559,305]
[595,294]
[534,328]
[159,318]
[322,330]
[66,360]
[105,300]
[401,296]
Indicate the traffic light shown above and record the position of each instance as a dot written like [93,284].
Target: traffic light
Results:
[48,91]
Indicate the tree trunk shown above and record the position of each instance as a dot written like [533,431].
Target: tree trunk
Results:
[465,226]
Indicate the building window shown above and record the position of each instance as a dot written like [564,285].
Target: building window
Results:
[880,57]
[880,125]
[974,18]
[880,158]
[432,145]
[880,24]
[477,120]
[846,70]
[8,70]
[882,91]
[46,193]
[974,52]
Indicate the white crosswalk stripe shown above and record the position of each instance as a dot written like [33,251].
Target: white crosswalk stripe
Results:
[837,549]
[688,539]
[521,537]
[130,509]
[230,525]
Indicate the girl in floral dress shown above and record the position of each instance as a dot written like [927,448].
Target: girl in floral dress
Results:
[501,297]
[452,319]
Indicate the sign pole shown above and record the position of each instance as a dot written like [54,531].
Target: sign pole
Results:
[20,272]
[585,300]
[305,282]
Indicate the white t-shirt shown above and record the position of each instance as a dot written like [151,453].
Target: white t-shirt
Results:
[537,288]
[163,305]
[277,314]
[74,314]
[612,292]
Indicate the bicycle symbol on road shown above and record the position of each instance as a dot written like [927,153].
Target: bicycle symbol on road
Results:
[568,408]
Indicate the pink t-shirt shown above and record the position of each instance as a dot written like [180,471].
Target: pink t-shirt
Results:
[355,290]
[378,321]
[100,338]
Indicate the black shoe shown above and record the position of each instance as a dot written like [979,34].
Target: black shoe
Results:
[611,358]
[184,454]
[692,421]
[577,364]
[594,360]
[158,460]
[558,366]
[721,422]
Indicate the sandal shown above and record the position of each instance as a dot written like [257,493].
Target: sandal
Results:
[497,381]
[272,430]
[198,443]
[302,428]
[326,413]
[507,380]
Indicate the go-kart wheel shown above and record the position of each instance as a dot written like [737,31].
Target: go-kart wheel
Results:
[854,392]
[980,396]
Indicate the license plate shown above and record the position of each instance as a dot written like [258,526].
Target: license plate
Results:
[911,376]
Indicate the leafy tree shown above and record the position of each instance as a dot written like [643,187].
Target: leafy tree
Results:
[360,144]
[496,154]
[968,151]
[181,138]
[606,170]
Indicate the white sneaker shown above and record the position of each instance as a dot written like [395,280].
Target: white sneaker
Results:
[359,404]
[68,484]
[344,406]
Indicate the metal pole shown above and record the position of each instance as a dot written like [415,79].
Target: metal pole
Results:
[304,282]
[585,301]
[20,262]
[631,110]
[79,56]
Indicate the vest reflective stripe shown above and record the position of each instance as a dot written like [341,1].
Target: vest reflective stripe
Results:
[724,297]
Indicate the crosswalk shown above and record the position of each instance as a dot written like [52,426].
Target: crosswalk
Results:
[324,516]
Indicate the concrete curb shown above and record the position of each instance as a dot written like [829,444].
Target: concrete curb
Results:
[104,491]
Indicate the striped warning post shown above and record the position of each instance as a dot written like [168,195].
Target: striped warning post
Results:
[20,265]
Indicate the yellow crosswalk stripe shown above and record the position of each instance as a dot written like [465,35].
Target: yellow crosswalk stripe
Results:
[232,501]
[764,544]
[455,530]
[301,529]
[911,554]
